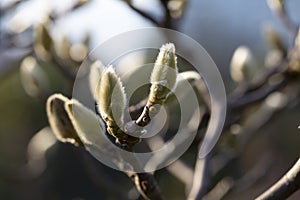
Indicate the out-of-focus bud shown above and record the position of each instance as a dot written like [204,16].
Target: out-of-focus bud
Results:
[273,58]
[36,151]
[176,7]
[17,24]
[59,120]
[78,52]
[43,42]
[62,48]
[276,6]
[111,97]
[33,78]
[164,74]
[243,66]
[274,40]
[95,76]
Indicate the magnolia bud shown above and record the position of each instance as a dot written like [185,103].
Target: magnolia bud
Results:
[78,52]
[63,48]
[276,6]
[243,66]
[60,121]
[176,7]
[274,40]
[111,97]
[86,124]
[43,42]
[94,77]
[33,77]
[273,58]
[163,77]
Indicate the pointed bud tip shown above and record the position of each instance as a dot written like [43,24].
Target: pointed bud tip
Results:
[169,47]
[60,121]
[111,96]
[109,69]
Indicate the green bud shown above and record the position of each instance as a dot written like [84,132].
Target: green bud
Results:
[59,120]
[163,77]
[111,97]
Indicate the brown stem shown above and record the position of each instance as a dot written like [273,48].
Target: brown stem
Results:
[146,185]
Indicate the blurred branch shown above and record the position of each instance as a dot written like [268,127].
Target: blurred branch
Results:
[146,185]
[286,186]
[144,14]
[165,22]
[200,179]
[176,169]
[279,8]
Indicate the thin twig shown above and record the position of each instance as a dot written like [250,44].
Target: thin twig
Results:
[256,96]
[285,187]
[287,22]
[146,185]
[144,14]
[201,178]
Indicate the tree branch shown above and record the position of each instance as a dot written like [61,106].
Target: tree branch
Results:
[285,187]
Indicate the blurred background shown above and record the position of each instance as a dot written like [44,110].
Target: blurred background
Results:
[43,42]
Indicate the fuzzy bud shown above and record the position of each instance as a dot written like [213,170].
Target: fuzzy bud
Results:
[86,123]
[95,76]
[59,120]
[111,97]
[164,74]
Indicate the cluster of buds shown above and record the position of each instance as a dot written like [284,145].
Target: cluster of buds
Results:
[49,52]
[109,94]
